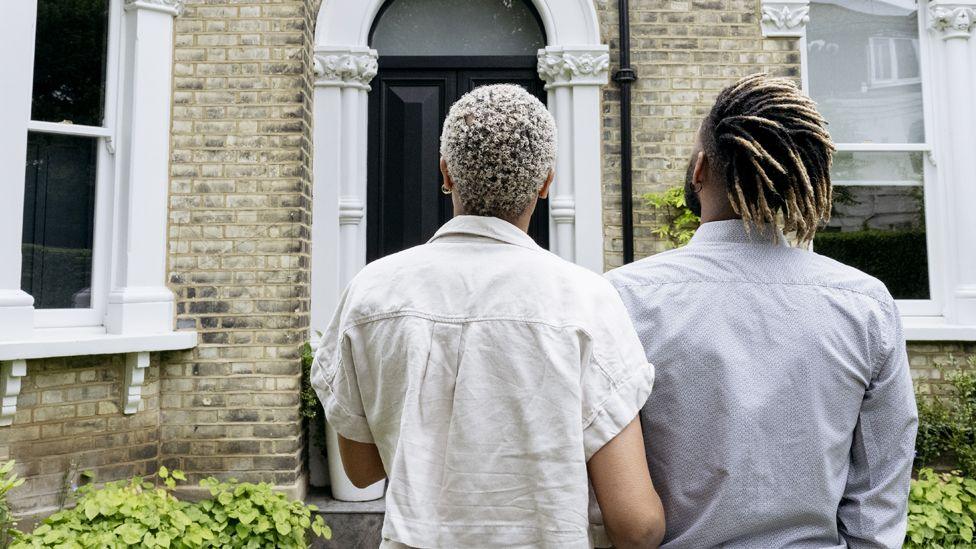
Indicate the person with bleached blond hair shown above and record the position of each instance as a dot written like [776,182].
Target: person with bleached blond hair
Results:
[490,381]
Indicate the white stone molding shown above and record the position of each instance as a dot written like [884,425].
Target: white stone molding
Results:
[576,65]
[136,365]
[560,66]
[784,18]
[952,66]
[11,373]
[172,7]
[352,67]
[952,20]
[139,301]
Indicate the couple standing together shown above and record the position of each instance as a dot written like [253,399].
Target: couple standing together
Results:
[513,399]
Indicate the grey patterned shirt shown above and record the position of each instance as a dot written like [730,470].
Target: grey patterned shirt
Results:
[783,413]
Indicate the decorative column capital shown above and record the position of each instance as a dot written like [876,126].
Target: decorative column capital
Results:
[785,18]
[345,68]
[574,67]
[956,20]
[172,7]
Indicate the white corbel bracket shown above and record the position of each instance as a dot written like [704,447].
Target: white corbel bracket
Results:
[136,365]
[11,372]
[785,18]
[570,66]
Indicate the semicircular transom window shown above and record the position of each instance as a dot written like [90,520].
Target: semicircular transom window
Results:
[450,27]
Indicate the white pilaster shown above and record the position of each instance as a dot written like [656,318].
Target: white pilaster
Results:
[952,23]
[574,76]
[139,301]
[342,77]
[17,28]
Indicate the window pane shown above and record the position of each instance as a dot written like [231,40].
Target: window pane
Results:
[864,70]
[877,168]
[449,27]
[59,216]
[881,231]
[70,52]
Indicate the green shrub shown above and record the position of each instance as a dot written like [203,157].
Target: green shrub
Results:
[8,481]
[941,511]
[679,221]
[896,258]
[947,422]
[311,408]
[127,513]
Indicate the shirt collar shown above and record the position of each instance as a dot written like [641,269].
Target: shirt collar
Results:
[488,227]
[734,231]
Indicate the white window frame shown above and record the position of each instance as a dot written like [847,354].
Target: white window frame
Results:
[950,314]
[895,79]
[93,316]
[132,310]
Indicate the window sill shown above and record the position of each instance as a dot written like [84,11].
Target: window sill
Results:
[58,343]
[935,329]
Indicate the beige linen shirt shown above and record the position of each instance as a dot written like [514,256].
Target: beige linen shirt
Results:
[487,371]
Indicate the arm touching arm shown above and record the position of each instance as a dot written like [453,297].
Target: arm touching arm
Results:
[873,511]
[361,462]
[631,508]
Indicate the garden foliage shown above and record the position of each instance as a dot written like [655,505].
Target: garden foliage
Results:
[139,513]
[941,511]
[679,222]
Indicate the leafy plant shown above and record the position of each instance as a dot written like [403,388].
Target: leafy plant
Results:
[311,408]
[947,422]
[139,513]
[679,221]
[8,481]
[941,511]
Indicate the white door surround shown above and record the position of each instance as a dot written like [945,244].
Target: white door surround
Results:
[574,65]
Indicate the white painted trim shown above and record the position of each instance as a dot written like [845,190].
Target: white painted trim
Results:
[883,147]
[574,65]
[68,342]
[136,365]
[68,129]
[784,18]
[11,372]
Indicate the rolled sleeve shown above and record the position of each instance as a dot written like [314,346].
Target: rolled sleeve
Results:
[617,382]
[335,382]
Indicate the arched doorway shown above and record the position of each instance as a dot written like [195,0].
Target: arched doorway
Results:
[418,79]
[573,65]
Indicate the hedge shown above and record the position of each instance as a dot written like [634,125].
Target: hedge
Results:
[897,258]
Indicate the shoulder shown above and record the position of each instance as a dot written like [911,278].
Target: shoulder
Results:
[656,269]
[829,272]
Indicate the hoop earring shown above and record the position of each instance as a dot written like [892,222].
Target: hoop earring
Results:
[446,190]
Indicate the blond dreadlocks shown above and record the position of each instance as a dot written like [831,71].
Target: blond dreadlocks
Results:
[773,147]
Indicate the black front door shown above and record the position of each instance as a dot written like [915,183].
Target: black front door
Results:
[407,106]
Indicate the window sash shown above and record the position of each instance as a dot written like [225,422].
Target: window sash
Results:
[93,316]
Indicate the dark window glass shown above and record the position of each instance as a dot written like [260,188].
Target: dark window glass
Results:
[881,231]
[59,214]
[70,52]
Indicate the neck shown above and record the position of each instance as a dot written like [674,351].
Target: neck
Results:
[711,213]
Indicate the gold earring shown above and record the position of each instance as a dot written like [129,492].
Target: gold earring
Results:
[446,190]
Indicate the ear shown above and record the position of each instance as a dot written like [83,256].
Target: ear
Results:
[701,167]
[448,182]
[544,191]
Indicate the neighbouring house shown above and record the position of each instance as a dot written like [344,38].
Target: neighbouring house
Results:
[188,185]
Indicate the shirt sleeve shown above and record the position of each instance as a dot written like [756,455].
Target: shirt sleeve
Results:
[873,511]
[617,380]
[336,383]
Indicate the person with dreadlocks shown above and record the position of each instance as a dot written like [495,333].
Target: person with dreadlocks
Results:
[783,413]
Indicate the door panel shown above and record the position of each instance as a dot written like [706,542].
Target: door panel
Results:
[404,203]
[407,108]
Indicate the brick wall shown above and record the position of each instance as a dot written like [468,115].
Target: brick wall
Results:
[238,236]
[685,52]
[69,420]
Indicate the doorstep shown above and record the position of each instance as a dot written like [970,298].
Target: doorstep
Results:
[355,525]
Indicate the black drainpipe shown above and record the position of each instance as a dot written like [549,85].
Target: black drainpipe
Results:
[626,76]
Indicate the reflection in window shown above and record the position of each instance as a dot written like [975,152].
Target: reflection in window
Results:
[864,69]
[450,27]
[59,213]
[881,231]
[70,53]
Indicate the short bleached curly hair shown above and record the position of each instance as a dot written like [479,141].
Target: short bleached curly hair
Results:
[499,143]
